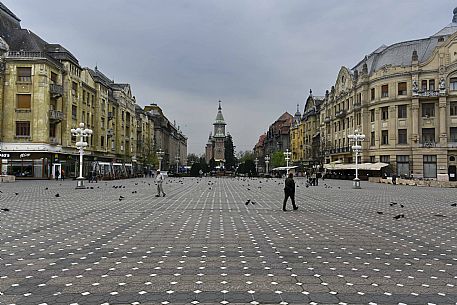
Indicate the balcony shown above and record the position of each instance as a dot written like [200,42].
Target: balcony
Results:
[110,132]
[139,128]
[427,144]
[110,115]
[341,114]
[53,141]
[327,119]
[55,116]
[357,106]
[427,93]
[56,90]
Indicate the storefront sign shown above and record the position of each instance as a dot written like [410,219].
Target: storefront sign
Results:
[24,155]
[2,155]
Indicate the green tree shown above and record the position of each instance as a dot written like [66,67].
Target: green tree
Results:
[212,164]
[195,170]
[278,159]
[192,158]
[203,165]
[247,155]
[229,156]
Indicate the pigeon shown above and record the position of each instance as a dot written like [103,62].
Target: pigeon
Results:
[399,216]
[16,194]
[439,215]
[46,189]
[392,203]
[247,202]
[5,209]
[253,202]
[454,205]
[402,206]
[380,213]
[57,195]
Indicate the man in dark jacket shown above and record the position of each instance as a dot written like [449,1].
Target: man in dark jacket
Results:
[289,191]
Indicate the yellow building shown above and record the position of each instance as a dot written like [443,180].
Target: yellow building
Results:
[44,93]
[403,97]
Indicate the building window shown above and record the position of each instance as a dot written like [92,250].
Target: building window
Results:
[102,141]
[428,135]
[431,85]
[74,112]
[384,137]
[453,108]
[403,166]
[372,159]
[424,85]
[402,88]
[24,75]
[24,101]
[53,78]
[402,114]
[372,115]
[385,91]
[22,129]
[429,166]
[402,136]
[384,158]
[372,94]
[385,113]
[453,134]
[74,88]
[428,110]
[372,139]
[453,84]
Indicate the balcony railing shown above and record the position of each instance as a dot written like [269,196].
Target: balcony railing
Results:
[110,132]
[55,115]
[110,115]
[25,54]
[427,144]
[357,106]
[341,114]
[327,119]
[427,93]
[56,90]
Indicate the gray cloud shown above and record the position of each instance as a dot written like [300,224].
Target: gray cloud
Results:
[259,57]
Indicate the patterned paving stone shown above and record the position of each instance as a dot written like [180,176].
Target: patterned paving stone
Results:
[203,245]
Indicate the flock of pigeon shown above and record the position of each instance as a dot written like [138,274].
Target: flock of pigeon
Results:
[248,188]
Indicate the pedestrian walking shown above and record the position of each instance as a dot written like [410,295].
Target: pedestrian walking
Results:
[289,191]
[62,174]
[159,180]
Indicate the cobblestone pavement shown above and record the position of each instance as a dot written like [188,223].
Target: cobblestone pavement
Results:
[201,244]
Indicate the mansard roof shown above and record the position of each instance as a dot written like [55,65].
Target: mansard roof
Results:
[10,13]
[400,54]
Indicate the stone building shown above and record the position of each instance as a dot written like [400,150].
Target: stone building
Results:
[403,97]
[215,148]
[278,135]
[44,92]
[304,133]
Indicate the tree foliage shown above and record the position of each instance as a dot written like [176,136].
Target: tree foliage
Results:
[278,159]
[229,156]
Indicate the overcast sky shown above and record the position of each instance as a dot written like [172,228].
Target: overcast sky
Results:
[260,58]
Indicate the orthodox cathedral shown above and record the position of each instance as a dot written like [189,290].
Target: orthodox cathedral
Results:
[215,148]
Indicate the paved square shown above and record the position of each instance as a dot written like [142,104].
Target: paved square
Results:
[201,244]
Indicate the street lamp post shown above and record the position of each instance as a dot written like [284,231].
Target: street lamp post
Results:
[287,155]
[256,164]
[356,138]
[160,154]
[82,133]
[267,160]
[177,163]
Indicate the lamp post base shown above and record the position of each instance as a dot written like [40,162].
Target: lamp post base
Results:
[80,183]
[356,183]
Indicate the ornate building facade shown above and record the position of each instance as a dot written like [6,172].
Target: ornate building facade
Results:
[215,148]
[403,97]
[44,92]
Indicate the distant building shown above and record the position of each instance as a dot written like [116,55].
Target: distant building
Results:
[278,138]
[215,148]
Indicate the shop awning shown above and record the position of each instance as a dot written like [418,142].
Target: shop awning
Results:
[283,168]
[363,166]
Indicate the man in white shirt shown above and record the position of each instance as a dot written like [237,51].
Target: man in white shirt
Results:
[159,180]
